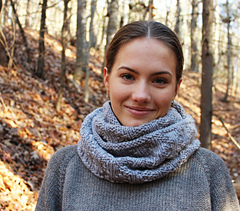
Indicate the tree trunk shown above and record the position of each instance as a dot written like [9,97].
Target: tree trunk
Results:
[228,21]
[104,18]
[112,23]
[167,15]
[93,37]
[40,64]
[82,45]
[86,89]
[150,10]
[178,12]
[28,14]
[194,49]
[207,70]
[3,53]
[22,31]
[64,44]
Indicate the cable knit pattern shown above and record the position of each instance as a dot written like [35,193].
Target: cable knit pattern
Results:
[136,154]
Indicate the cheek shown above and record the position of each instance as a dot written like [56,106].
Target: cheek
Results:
[163,100]
[118,93]
[116,87]
[163,106]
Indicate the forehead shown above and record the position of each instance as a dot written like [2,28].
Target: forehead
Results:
[151,42]
[148,52]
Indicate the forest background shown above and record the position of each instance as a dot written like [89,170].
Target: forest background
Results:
[51,60]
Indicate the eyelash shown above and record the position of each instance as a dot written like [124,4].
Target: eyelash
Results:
[163,81]
[126,76]
[130,77]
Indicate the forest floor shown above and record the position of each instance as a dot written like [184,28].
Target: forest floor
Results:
[31,129]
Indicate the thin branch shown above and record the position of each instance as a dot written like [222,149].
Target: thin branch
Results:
[229,134]
[21,30]
[53,5]
[3,41]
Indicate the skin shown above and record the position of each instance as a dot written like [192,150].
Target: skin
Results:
[142,83]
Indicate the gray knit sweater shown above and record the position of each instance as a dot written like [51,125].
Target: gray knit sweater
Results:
[202,183]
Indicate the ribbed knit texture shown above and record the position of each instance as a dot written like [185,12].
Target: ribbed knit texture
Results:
[201,184]
[136,154]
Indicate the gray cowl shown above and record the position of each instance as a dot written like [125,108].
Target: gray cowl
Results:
[136,154]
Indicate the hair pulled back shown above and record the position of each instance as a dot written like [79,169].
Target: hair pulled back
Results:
[149,29]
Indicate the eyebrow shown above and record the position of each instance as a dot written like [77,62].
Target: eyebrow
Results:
[134,71]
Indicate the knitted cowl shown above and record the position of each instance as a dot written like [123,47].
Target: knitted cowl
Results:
[140,154]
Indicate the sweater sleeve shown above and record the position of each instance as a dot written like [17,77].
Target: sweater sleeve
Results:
[223,195]
[50,195]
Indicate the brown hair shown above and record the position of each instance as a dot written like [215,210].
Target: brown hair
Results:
[149,29]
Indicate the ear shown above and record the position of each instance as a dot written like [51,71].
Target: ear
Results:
[106,78]
[178,86]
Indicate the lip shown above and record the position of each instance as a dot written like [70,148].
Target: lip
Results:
[139,111]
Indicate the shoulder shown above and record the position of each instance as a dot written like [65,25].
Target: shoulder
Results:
[208,156]
[50,195]
[64,152]
[212,164]
[209,159]
[223,195]
[62,158]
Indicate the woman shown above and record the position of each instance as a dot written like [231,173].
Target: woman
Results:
[139,151]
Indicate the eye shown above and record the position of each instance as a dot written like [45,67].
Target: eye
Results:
[160,81]
[127,77]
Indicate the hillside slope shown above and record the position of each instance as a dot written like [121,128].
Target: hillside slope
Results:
[31,129]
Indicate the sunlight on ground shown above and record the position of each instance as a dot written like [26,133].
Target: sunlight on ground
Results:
[237,105]
[40,149]
[14,192]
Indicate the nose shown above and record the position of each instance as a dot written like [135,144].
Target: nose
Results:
[141,92]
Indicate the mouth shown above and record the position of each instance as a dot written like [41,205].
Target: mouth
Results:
[139,111]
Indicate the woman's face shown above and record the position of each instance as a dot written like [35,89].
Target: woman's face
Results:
[142,82]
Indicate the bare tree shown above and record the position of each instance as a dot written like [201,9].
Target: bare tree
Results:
[104,29]
[207,70]
[112,21]
[40,63]
[21,30]
[64,44]
[81,65]
[167,14]
[228,20]
[193,36]
[3,53]
[150,9]
[28,14]
[178,20]
[93,37]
